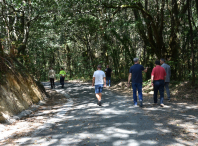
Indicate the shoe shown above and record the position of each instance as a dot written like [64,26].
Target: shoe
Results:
[162,105]
[168,99]
[141,104]
[99,103]
[154,104]
[135,105]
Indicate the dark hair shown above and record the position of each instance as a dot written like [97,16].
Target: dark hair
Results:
[157,62]
[162,59]
[62,68]
[99,66]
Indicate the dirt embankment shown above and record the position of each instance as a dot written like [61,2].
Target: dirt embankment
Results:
[18,90]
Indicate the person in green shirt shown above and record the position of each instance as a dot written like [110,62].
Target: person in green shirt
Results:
[62,77]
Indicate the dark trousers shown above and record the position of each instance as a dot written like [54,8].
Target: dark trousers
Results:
[108,79]
[62,81]
[167,89]
[158,86]
[52,82]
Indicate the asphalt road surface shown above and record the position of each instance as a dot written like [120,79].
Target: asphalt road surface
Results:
[81,122]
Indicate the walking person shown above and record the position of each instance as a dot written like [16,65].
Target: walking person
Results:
[51,76]
[62,77]
[136,72]
[168,74]
[100,80]
[158,77]
[108,73]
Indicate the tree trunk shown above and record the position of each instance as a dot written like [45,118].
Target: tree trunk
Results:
[68,60]
[191,41]
[1,49]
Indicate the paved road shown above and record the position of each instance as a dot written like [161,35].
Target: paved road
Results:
[116,123]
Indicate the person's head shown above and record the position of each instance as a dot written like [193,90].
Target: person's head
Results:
[162,60]
[136,60]
[99,67]
[107,66]
[61,68]
[51,68]
[157,62]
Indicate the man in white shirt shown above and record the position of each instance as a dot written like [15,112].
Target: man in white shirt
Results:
[100,80]
[52,75]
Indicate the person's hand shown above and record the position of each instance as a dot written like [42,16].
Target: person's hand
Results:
[128,85]
[92,84]
[152,84]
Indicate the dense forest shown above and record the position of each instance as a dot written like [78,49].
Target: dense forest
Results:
[80,34]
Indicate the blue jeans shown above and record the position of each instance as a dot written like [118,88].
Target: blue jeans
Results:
[109,80]
[167,89]
[136,86]
[158,86]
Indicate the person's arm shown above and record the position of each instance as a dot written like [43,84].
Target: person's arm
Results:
[104,81]
[129,78]
[60,74]
[152,77]
[64,74]
[169,71]
[145,70]
[54,74]
[93,81]
[165,75]
[49,74]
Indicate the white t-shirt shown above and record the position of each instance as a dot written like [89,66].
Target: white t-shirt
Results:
[99,75]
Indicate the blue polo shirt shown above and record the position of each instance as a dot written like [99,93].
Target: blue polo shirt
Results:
[136,71]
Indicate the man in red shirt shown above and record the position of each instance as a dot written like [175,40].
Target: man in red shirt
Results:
[158,77]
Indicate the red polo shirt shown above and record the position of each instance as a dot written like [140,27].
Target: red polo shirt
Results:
[158,72]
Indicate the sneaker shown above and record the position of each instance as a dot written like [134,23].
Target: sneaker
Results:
[135,105]
[141,104]
[154,104]
[99,103]
[162,105]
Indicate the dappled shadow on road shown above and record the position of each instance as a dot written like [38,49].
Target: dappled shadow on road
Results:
[179,118]
[115,123]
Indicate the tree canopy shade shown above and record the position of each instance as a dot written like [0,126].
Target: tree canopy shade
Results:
[78,35]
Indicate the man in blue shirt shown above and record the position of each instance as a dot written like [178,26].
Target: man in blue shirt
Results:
[136,73]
